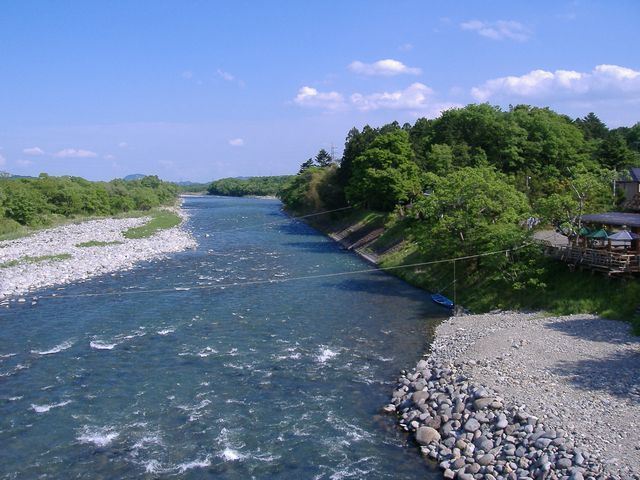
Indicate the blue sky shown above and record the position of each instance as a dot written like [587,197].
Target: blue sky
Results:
[198,90]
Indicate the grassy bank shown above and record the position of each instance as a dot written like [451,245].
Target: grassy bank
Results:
[160,220]
[43,258]
[163,217]
[21,231]
[97,243]
[559,290]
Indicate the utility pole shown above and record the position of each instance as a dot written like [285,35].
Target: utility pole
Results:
[455,300]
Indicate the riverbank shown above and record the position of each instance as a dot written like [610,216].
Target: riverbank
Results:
[76,252]
[388,242]
[512,395]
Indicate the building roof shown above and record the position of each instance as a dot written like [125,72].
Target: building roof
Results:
[614,219]
[633,175]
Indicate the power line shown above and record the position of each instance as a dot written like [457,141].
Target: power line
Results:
[281,280]
[283,220]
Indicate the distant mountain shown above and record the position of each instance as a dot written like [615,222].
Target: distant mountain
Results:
[11,175]
[134,176]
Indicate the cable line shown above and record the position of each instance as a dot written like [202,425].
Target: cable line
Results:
[280,280]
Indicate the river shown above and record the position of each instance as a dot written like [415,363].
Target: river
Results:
[275,380]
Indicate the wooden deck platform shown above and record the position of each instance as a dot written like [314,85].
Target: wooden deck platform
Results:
[603,260]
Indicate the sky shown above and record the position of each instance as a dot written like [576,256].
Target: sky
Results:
[200,90]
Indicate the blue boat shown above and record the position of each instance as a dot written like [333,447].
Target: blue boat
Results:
[442,300]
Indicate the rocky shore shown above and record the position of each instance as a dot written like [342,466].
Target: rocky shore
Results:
[524,396]
[77,263]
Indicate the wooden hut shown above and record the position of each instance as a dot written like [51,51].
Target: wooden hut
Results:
[613,262]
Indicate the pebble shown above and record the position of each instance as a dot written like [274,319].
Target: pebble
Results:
[472,433]
[472,425]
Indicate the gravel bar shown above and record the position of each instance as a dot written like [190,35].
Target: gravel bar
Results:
[85,262]
[526,396]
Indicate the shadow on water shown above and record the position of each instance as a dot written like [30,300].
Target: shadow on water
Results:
[369,283]
[616,374]
[295,228]
[593,330]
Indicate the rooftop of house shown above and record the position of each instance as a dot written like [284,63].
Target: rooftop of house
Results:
[616,219]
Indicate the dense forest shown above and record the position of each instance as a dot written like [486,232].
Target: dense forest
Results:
[240,187]
[472,181]
[192,187]
[41,201]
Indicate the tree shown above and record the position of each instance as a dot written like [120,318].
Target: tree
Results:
[238,187]
[420,135]
[592,127]
[633,137]
[355,145]
[553,144]
[485,128]
[308,164]
[323,159]
[439,159]
[614,152]
[584,192]
[312,190]
[385,175]
[471,210]
[24,204]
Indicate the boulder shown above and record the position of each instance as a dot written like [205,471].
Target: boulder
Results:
[427,435]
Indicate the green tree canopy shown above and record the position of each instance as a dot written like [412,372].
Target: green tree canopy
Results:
[37,201]
[314,189]
[385,174]
[586,191]
[592,127]
[323,159]
[470,211]
[239,187]
[614,152]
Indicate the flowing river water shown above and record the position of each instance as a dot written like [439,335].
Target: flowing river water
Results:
[276,380]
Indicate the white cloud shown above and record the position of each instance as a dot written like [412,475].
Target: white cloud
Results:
[310,97]
[417,98]
[24,163]
[604,81]
[405,47]
[33,151]
[414,97]
[3,161]
[188,74]
[225,75]
[229,77]
[387,67]
[75,153]
[499,30]
[236,142]
[123,144]
[108,156]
